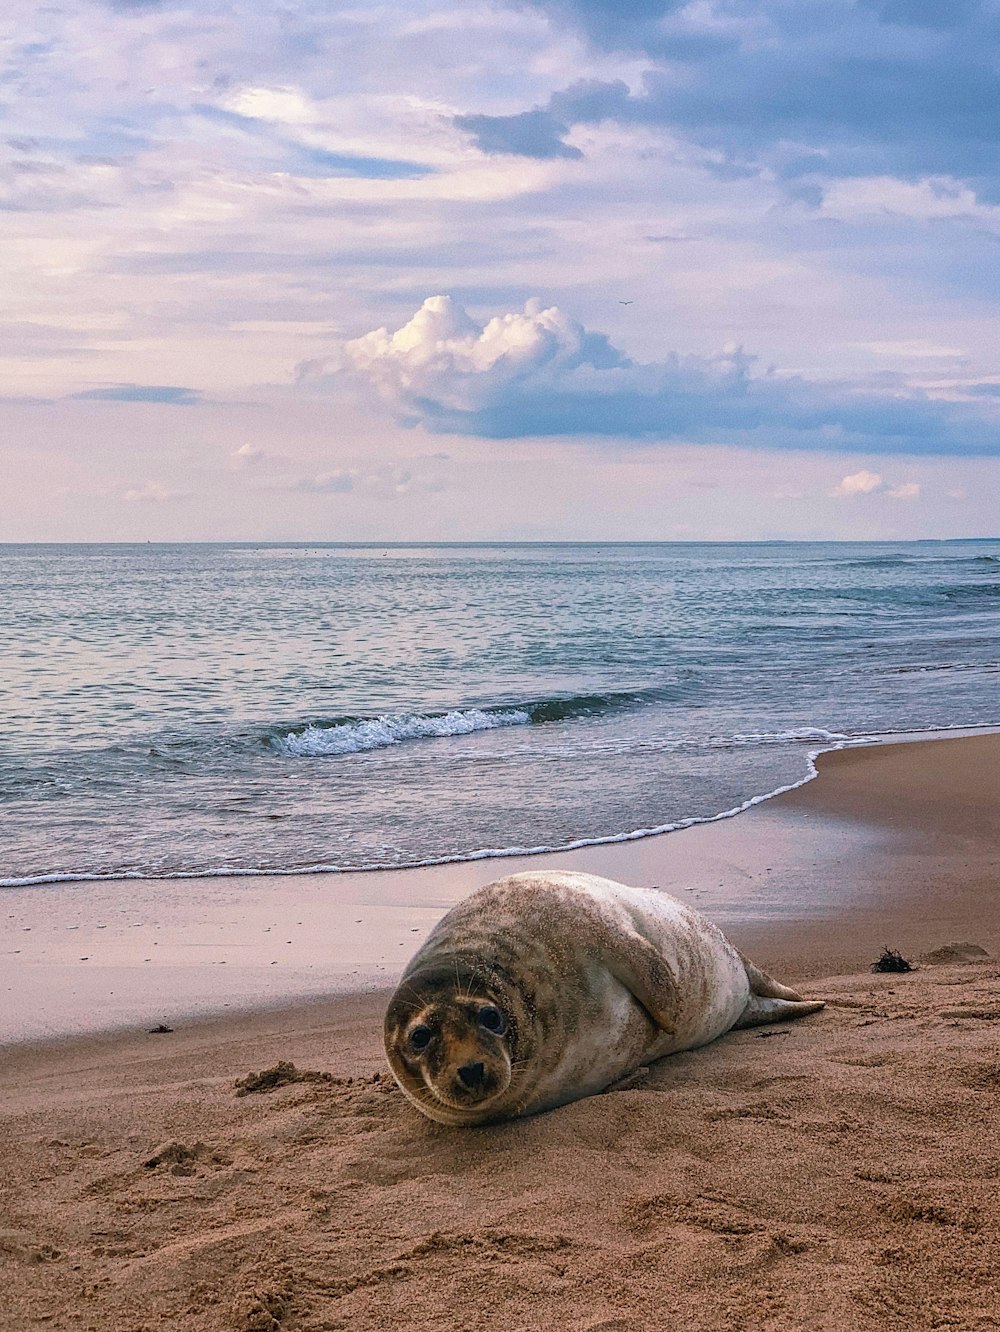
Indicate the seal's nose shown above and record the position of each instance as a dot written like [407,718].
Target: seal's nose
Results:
[472,1075]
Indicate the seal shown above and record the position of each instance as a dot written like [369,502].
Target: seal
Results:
[544,987]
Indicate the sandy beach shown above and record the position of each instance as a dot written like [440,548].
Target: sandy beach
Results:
[836,1173]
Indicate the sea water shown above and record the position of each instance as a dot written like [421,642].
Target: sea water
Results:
[229,708]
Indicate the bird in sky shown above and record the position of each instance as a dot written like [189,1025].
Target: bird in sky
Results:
[626,302]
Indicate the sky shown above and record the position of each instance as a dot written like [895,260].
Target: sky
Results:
[521,270]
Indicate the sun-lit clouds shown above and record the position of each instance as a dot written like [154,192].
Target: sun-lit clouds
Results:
[320,150]
[871,483]
[858,483]
[441,343]
[196,199]
[540,372]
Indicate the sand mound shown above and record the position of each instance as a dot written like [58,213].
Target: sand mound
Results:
[282,1074]
[950,954]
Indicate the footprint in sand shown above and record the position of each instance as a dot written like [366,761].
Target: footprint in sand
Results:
[24,1244]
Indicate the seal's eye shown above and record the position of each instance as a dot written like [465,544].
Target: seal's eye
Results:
[493,1020]
[420,1038]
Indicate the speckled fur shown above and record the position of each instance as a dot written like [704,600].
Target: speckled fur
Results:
[593,977]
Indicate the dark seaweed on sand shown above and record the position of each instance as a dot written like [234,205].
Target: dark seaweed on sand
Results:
[891,960]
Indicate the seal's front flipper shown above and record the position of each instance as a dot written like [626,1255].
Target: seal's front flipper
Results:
[643,971]
[760,1010]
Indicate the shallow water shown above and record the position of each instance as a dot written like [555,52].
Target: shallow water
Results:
[213,708]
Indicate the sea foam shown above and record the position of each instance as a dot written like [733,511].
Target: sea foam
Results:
[354,737]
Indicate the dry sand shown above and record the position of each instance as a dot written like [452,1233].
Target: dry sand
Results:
[836,1173]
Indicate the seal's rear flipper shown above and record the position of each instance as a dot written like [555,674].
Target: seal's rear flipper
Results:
[770,1001]
[765,986]
[760,1010]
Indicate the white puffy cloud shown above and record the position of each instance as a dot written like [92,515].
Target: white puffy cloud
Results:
[858,483]
[443,354]
[538,372]
[871,483]
[195,197]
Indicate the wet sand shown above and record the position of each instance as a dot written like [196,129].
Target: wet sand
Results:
[803,879]
[835,1173]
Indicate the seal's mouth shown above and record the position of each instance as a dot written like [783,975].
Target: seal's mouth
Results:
[470,1086]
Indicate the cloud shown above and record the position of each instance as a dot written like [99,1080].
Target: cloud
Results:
[923,13]
[153,492]
[858,483]
[539,372]
[284,106]
[930,198]
[529,134]
[283,126]
[914,349]
[871,483]
[385,482]
[651,26]
[248,455]
[326,483]
[801,94]
[908,490]
[612,24]
[171,394]
[319,162]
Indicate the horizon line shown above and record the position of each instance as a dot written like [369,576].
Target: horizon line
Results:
[518,541]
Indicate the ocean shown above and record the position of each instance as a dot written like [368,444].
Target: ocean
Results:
[174,710]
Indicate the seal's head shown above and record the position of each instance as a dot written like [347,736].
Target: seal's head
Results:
[455,1040]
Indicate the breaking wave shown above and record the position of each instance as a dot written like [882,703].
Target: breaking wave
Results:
[364,733]
[356,735]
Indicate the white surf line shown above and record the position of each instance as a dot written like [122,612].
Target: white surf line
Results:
[517,852]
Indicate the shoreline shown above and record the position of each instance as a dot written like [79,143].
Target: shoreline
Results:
[834,743]
[831,1173]
[786,880]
